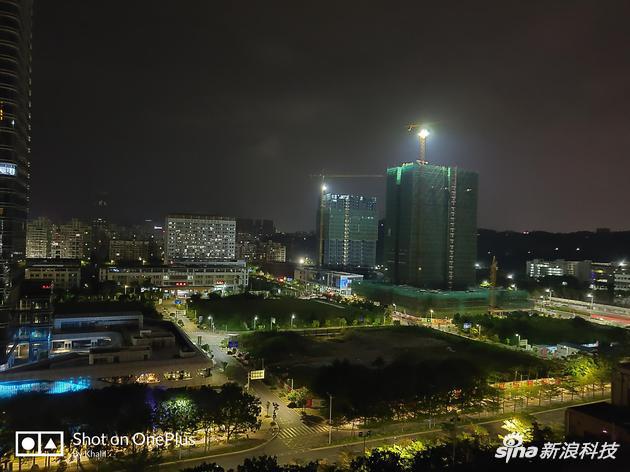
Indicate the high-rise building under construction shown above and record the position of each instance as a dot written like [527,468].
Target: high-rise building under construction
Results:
[348,226]
[431,226]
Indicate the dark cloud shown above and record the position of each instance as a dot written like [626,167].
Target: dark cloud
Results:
[227,107]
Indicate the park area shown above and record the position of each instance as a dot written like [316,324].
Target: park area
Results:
[381,372]
[237,312]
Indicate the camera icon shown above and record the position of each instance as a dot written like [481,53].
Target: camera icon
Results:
[39,444]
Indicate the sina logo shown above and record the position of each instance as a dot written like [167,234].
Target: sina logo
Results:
[513,447]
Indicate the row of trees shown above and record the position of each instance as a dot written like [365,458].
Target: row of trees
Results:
[470,450]
[406,389]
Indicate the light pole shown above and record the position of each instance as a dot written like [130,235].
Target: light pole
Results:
[292,318]
[431,312]
[518,338]
[592,297]
[255,319]
[126,287]
[330,418]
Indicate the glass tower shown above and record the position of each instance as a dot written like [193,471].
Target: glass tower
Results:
[431,226]
[15,129]
[349,226]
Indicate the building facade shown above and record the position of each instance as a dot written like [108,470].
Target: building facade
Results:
[38,238]
[46,240]
[431,226]
[327,280]
[128,250]
[15,134]
[63,275]
[218,276]
[538,268]
[348,226]
[199,238]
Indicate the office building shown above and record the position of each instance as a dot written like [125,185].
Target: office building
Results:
[15,135]
[538,268]
[431,226]
[199,238]
[348,230]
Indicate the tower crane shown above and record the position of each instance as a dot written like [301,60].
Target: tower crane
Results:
[320,245]
[423,134]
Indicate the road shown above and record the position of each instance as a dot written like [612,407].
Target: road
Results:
[335,453]
[291,427]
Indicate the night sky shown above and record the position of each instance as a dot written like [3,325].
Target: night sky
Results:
[227,107]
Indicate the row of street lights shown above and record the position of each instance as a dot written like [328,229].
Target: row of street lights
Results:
[293,317]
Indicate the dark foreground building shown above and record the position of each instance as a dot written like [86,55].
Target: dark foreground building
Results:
[431,226]
[15,128]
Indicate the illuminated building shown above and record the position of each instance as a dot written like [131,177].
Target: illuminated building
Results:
[38,238]
[431,226]
[15,130]
[538,268]
[207,277]
[199,238]
[60,274]
[128,250]
[349,226]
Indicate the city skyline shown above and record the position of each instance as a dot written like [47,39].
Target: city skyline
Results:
[273,111]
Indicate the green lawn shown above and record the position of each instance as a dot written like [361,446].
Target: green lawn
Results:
[237,312]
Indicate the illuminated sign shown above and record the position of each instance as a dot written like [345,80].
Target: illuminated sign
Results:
[257,374]
[7,168]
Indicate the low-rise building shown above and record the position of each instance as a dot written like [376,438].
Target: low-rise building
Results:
[58,274]
[327,279]
[220,276]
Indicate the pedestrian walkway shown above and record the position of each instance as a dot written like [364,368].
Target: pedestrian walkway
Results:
[302,430]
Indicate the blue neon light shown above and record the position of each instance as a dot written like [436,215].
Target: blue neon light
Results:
[52,387]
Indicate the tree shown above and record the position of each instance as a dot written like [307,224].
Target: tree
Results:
[238,411]
[299,396]
[207,401]
[177,415]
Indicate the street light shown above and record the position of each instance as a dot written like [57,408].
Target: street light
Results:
[592,297]
[330,419]
[292,318]
[255,319]
[431,312]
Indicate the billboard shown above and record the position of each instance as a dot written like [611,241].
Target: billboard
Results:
[7,168]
